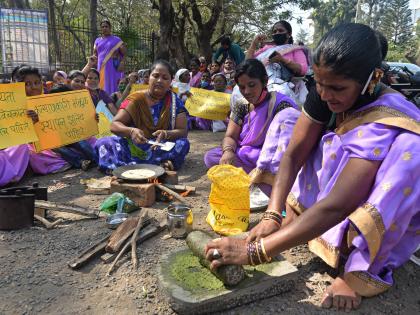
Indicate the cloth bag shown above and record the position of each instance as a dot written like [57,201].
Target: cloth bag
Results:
[229,199]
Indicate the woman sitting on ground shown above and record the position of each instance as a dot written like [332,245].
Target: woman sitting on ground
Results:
[182,84]
[47,161]
[153,114]
[195,74]
[259,128]
[356,198]
[80,154]
[96,93]
[59,78]
[283,61]
[229,72]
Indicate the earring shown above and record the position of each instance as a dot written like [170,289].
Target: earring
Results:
[376,78]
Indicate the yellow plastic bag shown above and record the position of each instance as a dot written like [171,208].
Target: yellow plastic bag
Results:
[229,199]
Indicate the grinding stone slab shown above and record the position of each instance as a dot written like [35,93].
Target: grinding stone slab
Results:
[262,281]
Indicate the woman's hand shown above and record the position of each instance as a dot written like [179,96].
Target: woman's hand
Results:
[160,135]
[259,39]
[97,117]
[263,229]
[33,115]
[132,78]
[137,136]
[228,157]
[277,58]
[233,251]
[92,60]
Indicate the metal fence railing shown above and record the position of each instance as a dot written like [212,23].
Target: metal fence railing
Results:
[70,42]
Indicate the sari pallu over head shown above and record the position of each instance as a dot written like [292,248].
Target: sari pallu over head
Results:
[383,232]
[142,118]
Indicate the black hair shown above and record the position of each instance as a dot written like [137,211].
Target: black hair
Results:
[225,41]
[217,62]
[219,75]
[106,22]
[351,50]
[384,44]
[94,71]
[195,60]
[164,63]
[60,88]
[26,70]
[288,28]
[16,69]
[252,68]
[76,73]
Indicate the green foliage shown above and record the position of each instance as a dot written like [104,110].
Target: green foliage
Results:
[331,13]
[302,36]
[396,23]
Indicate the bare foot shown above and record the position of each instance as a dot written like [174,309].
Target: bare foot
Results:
[340,296]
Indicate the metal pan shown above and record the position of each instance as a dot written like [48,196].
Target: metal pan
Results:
[159,171]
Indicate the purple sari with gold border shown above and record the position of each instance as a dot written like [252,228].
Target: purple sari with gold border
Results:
[384,231]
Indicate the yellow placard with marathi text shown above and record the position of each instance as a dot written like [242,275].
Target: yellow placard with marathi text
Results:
[15,126]
[64,118]
[208,104]
[139,87]
[104,126]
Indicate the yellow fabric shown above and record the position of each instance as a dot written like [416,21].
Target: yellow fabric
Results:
[229,199]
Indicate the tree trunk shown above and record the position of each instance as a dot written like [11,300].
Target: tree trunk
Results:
[205,30]
[93,9]
[56,43]
[166,22]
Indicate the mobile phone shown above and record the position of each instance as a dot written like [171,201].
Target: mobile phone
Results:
[273,55]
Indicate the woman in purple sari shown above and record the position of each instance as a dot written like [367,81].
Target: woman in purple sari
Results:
[195,74]
[110,52]
[356,198]
[259,127]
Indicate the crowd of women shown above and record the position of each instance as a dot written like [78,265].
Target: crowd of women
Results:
[342,159]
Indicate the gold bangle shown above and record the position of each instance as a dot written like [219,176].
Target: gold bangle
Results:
[228,148]
[267,258]
[258,252]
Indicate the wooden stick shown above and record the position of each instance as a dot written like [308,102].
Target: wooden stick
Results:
[54,206]
[172,193]
[89,253]
[122,251]
[134,239]
[144,234]
[49,225]
[181,188]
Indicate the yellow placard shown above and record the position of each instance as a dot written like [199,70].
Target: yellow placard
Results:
[208,104]
[15,126]
[104,126]
[64,118]
[138,87]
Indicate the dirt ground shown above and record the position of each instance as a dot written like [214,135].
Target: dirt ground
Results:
[34,277]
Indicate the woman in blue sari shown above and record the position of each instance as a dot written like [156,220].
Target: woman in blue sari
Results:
[153,114]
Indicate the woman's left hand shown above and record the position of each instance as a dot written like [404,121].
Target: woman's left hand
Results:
[160,135]
[33,115]
[278,58]
[233,251]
